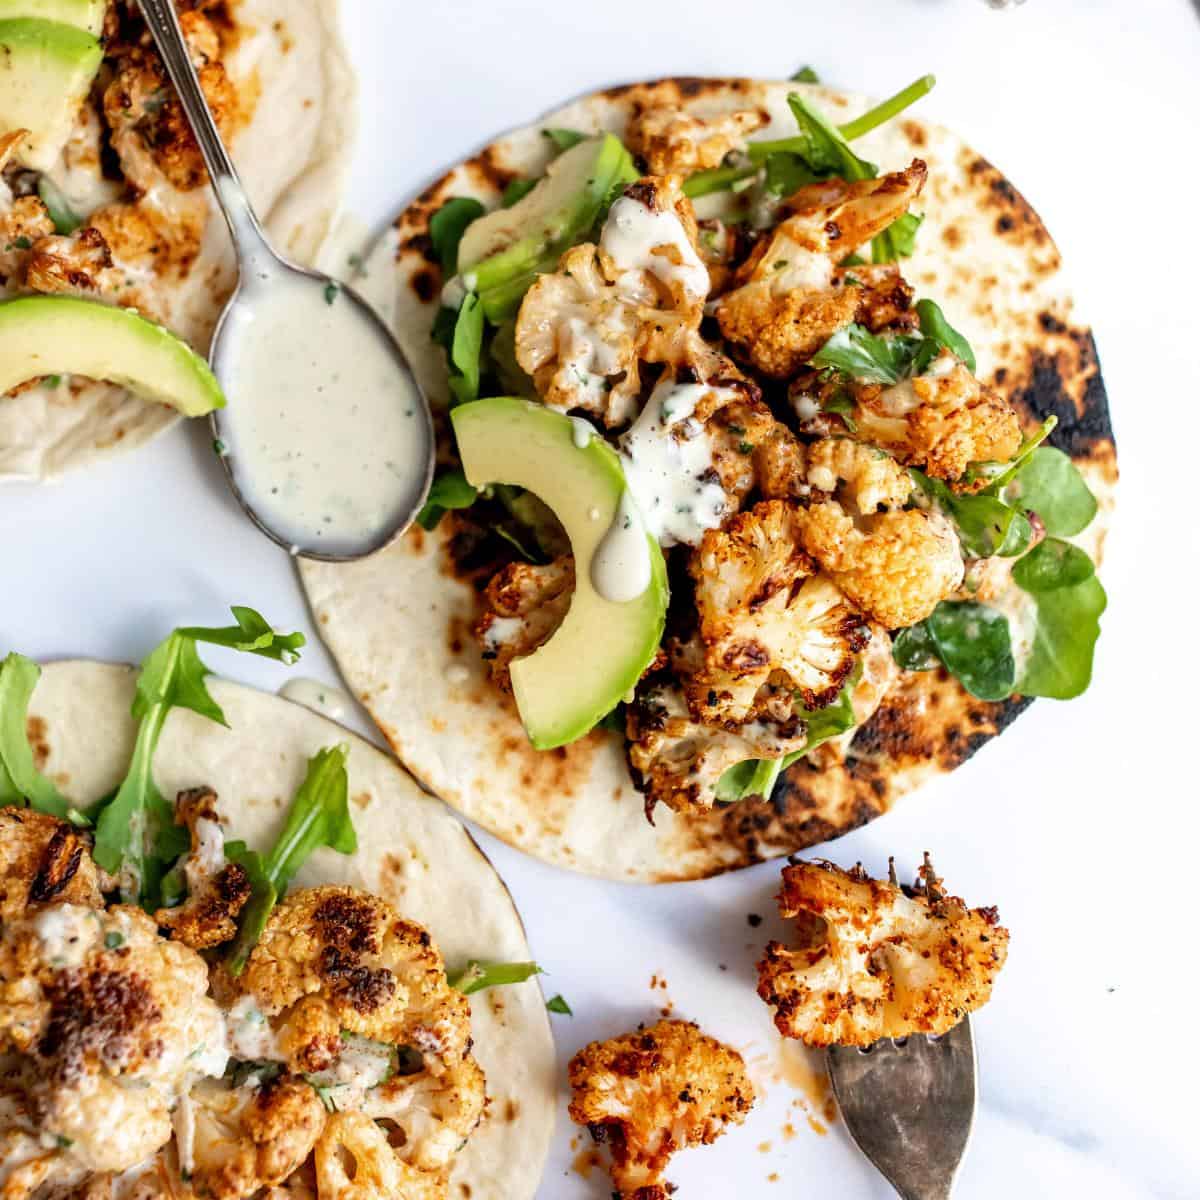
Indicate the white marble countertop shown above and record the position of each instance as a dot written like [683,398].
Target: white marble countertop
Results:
[1079,823]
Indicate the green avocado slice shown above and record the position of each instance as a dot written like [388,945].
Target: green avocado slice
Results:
[61,335]
[602,647]
[87,15]
[46,68]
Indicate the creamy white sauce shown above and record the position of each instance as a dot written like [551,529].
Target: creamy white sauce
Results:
[807,408]
[582,432]
[329,701]
[588,354]
[67,933]
[638,238]
[250,1036]
[208,857]
[501,631]
[324,430]
[454,292]
[621,564]
[664,456]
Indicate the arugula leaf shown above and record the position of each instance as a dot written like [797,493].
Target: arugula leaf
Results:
[1050,485]
[823,149]
[985,524]
[717,179]
[805,75]
[449,490]
[516,190]
[1060,660]
[319,815]
[936,329]
[476,976]
[564,139]
[447,226]
[974,643]
[442,330]
[465,350]
[21,782]
[135,833]
[1052,564]
[889,108]
[913,649]
[858,352]
[556,1004]
[57,207]
[898,240]
[786,173]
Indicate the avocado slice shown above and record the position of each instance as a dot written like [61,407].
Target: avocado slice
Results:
[60,335]
[502,253]
[87,15]
[46,68]
[602,647]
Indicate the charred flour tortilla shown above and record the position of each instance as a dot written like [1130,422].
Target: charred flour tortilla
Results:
[412,852]
[400,624]
[293,130]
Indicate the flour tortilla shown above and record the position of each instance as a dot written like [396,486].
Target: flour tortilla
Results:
[412,852]
[293,77]
[399,623]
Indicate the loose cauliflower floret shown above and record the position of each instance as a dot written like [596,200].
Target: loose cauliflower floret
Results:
[651,1093]
[863,478]
[875,960]
[523,605]
[109,1023]
[897,567]
[355,1161]
[765,612]
[584,331]
[43,859]
[242,1139]
[676,761]
[333,959]
[21,224]
[216,890]
[674,142]
[942,421]
[789,297]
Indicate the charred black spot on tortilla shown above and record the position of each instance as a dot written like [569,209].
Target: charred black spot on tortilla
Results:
[1082,425]
[425,283]
[1004,223]
[422,244]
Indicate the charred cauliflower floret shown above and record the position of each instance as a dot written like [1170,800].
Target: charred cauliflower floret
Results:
[109,1025]
[23,223]
[43,860]
[674,142]
[652,1093]
[523,605]
[941,421]
[355,1161]
[676,761]
[895,566]
[863,478]
[764,611]
[875,960]
[217,891]
[584,331]
[334,959]
[790,297]
[234,1141]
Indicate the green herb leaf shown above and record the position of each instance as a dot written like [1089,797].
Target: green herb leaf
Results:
[446,229]
[21,782]
[913,649]
[135,833]
[898,240]
[449,490]
[466,349]
[59,211]
[114,940]
[717,179]
[843,405]
[1050,485]
[516,190]
[938,330]
[564,139]
[332,291]
[786,173]
[859,353]
[1059,665]
[556,1004]
[985,524]
[318,816]
[974,643]
[806,75]
[889,108]
[823,149]
[1053,564]
[476,976]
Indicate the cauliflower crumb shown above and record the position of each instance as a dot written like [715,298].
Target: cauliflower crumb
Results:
[876,960]
[674,142]
[764,612]
[897,567]
[651,1093]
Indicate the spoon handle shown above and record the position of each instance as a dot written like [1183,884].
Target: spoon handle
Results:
[249,240]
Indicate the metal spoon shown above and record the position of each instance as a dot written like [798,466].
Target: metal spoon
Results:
[260,270]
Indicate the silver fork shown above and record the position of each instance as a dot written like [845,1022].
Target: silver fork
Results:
[910,1106]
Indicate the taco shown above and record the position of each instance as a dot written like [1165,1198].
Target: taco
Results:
[824,357]
[124,215]
[275,981]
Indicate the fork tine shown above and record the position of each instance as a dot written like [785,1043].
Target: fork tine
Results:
[910,1107]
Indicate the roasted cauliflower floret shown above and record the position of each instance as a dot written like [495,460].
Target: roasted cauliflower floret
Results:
[895,566]
[875,960]
[333,959]
[43,860]
[764,612]
[234,1141]
[863,478]
[676,761]
[217,891]
[651,1093]
[109,1023]
[584,331]
[674,142]
[789,297]
[941,421]
[355,1161]
[523,605]
[23,223]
